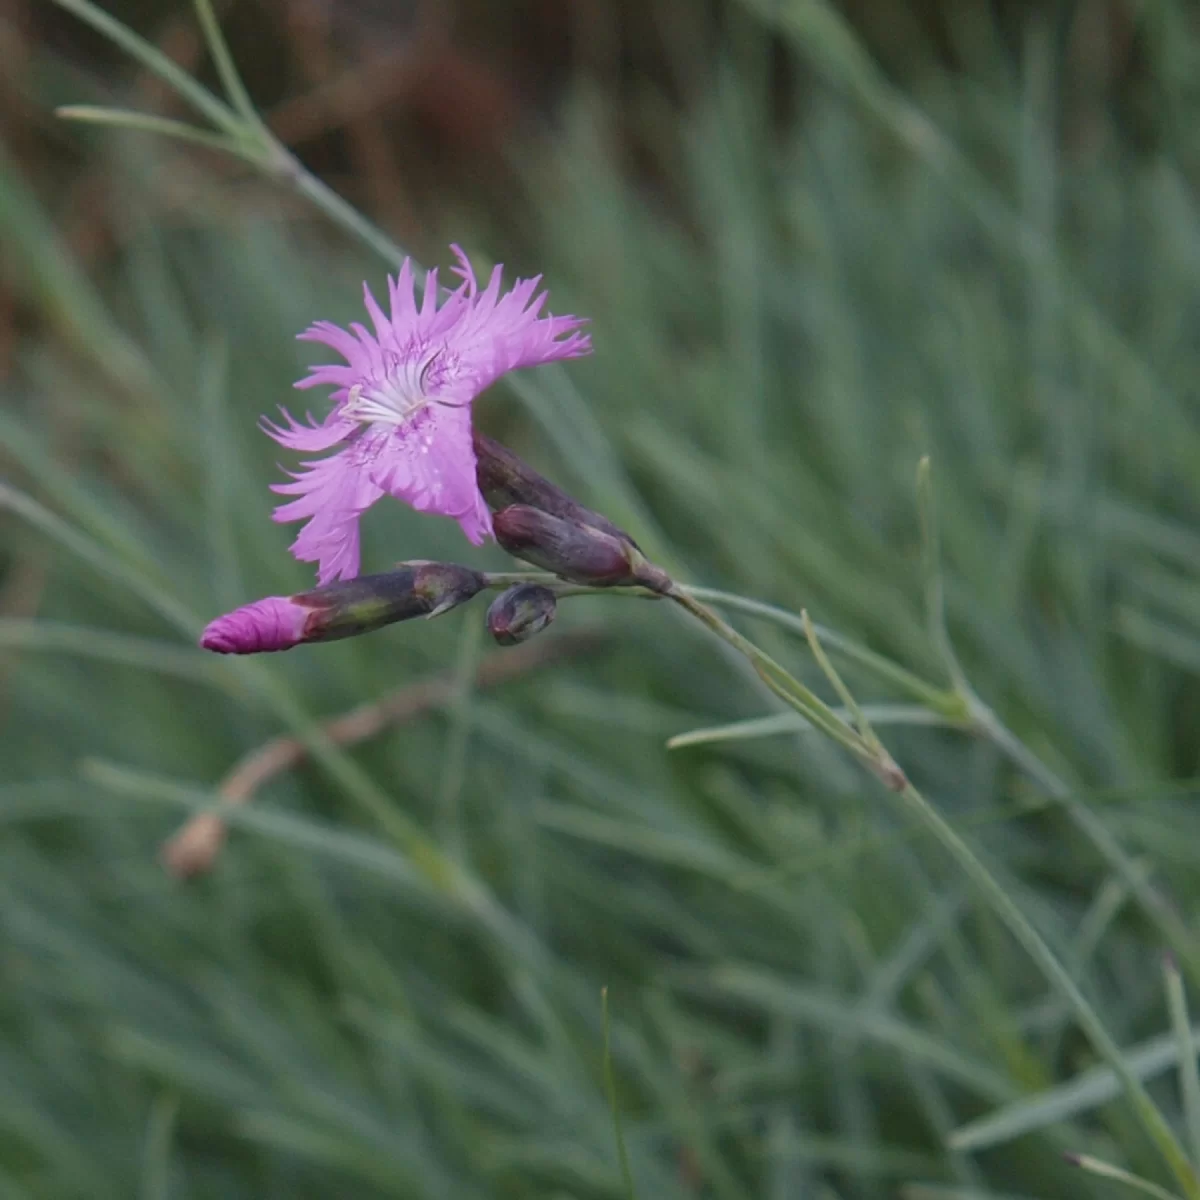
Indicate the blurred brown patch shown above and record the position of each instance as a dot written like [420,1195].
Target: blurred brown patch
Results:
[406,104]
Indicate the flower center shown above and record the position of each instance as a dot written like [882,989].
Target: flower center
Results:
[395,398]
[383,405]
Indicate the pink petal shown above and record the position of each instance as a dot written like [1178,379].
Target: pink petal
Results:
[464,270]
[370,355]
[505,333]
[477,522]
[311,437]
[430,465]
[342,378]
[333,336]
[429,298]
[332,493]
[383,327]
[404,308]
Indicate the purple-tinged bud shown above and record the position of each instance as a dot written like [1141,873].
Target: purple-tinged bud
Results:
[505,479]
[271,624]
[520,612]
[573,551]
[345,609]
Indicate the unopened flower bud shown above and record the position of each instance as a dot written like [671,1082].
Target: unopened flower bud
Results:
[274,623]
[520,612]
[573,551]
[340,610]
[505,479]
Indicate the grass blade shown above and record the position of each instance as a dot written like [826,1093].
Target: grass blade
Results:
[180,131]
[610,1083]
[231,80]
[1189,1077]
[1095,1166]
[1089,1090]
[791,723]
[155,61]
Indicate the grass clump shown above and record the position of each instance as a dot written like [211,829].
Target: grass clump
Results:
[390,984]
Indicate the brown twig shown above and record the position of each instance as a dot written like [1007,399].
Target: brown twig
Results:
[193,850]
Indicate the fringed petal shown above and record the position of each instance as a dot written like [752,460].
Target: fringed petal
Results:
[331,494]
[311,438]
[430,465]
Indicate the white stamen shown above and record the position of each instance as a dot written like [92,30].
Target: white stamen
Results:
[398,396]
[390,408]
[395,398]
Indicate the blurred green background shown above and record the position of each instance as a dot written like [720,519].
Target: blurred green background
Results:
[815,243]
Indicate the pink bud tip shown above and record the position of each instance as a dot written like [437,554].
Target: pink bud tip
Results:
[275,623]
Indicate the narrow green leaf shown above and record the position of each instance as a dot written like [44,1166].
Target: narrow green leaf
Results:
[791,723]
[1094,1166]
[610,1083]
[1089,1090]
[180,131]
[1189,1077]
[935,588]
[231,80]
[156,1158]
[154,60]
[883,668]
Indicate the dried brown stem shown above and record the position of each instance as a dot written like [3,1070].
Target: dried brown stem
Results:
[193,850]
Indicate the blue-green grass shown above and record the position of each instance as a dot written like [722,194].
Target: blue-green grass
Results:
[390,985]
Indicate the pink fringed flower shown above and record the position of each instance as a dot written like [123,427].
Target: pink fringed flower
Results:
[402,407]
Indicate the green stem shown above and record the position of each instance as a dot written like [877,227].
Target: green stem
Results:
[499,580]
[154,60]
[781,681]
[235,89]
[988,725]
[1006,909]
[935,587]
[505,579]
[1189,1078]
[285,166]
[947,703]
[1168,922]
[610,1084]
[999,900]
[181,131]
[1095,1166]
[964,706]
